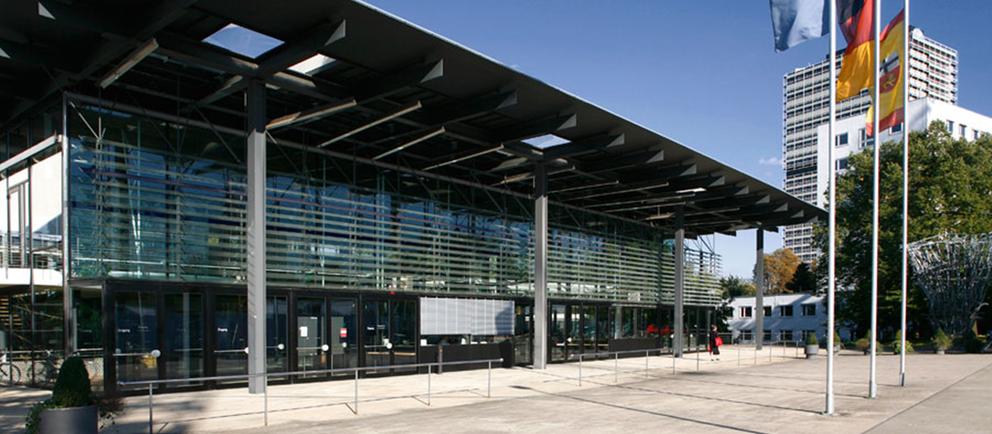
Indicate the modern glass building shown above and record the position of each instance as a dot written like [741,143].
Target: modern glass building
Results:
[345,189]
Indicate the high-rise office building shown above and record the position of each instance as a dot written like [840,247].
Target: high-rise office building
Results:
[933,75]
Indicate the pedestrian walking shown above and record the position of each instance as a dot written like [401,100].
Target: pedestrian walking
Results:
[714,342]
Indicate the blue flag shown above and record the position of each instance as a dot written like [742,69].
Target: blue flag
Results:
[795,21]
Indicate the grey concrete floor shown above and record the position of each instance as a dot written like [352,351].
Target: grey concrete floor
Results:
[776,394]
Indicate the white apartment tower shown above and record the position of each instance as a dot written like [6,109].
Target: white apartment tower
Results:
[933,74]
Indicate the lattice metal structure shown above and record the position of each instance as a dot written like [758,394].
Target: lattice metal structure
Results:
[954,272]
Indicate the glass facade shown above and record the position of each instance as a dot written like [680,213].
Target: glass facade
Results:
[157,243]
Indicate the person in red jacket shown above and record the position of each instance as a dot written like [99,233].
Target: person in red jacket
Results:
[714,342]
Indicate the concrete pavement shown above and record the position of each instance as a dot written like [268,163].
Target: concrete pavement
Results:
[944,394]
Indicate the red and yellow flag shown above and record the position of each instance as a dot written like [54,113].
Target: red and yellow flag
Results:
[856,22]
[890,80]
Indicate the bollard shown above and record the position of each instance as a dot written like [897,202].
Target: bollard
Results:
[738,357]
[646,365]
[697,354]
[580,370]
[755,354]
[150,429]
[770,351]
[489,380]
[616,366]
[428,385]
[265,398]
[673,362]
[356,391]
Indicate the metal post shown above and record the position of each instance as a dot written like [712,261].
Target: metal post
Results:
[616,366]
[738,356]
[540,267]
[580,370]
[646,365]
[679,255]
[255,191]
[673,363]
[759,283]
[905,193]
[697,353]
[356,391]
[489,380]
[832,215]
[876,62]
[265,398]
[428,385]
[150,428]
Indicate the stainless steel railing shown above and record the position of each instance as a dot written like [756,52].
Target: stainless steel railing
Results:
[354,407]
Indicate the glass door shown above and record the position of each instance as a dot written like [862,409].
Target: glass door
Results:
[182,348]
[588,329]
[558,333]
[311,346]
[376,343]
[343,335]
[231,338]
[135,336]
[603,328]
[522,334]
[404,339]
[277,334]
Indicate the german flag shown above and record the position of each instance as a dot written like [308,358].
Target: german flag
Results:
[856,22]
[890,82]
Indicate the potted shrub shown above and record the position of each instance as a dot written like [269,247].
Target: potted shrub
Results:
[838,344]
[71,409]
[941,341]
[897,343]
[812,345]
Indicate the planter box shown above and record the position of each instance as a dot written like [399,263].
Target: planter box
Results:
[75,420]
[812,350]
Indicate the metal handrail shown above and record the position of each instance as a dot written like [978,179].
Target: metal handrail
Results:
[312,372]
[265,376]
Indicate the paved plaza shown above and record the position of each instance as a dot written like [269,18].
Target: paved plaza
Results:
[776,394]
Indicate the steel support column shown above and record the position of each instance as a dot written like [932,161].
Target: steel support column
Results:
[255,191]
[759,283]
[679,254]
[540,267]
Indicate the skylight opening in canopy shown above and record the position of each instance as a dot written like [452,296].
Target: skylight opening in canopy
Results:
[546,141]
[243,41]
[313,65]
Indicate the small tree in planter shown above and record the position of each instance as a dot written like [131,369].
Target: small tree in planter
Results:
[941,341]
[812,345]
[838,343]
[897,343]
[71,407]
[864,344]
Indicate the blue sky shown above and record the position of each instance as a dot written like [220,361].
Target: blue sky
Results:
[701,72]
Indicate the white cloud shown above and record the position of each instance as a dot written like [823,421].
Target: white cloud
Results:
[770,161]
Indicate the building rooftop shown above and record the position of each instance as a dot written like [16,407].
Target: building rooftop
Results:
[347,79]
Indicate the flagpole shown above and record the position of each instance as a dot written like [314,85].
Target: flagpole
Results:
[872,385]
[832,197]
[905,190]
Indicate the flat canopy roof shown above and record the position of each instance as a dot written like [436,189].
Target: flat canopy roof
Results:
[348,78]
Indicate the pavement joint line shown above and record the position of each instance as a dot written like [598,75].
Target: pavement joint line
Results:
[707,398]
[931,396]
[651,412]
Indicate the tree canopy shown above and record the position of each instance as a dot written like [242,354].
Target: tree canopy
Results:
[780,267]
[950,191]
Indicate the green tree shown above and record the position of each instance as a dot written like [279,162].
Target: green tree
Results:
[803,280]
[735,286]
[950,190]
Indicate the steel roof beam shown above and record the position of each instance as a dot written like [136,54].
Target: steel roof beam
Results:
[301,48]
[469,108]
[584,146]
[458,158]
[413,141]
[650,157]
[538,127]
[408,108]
[313,114]
[413,76]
